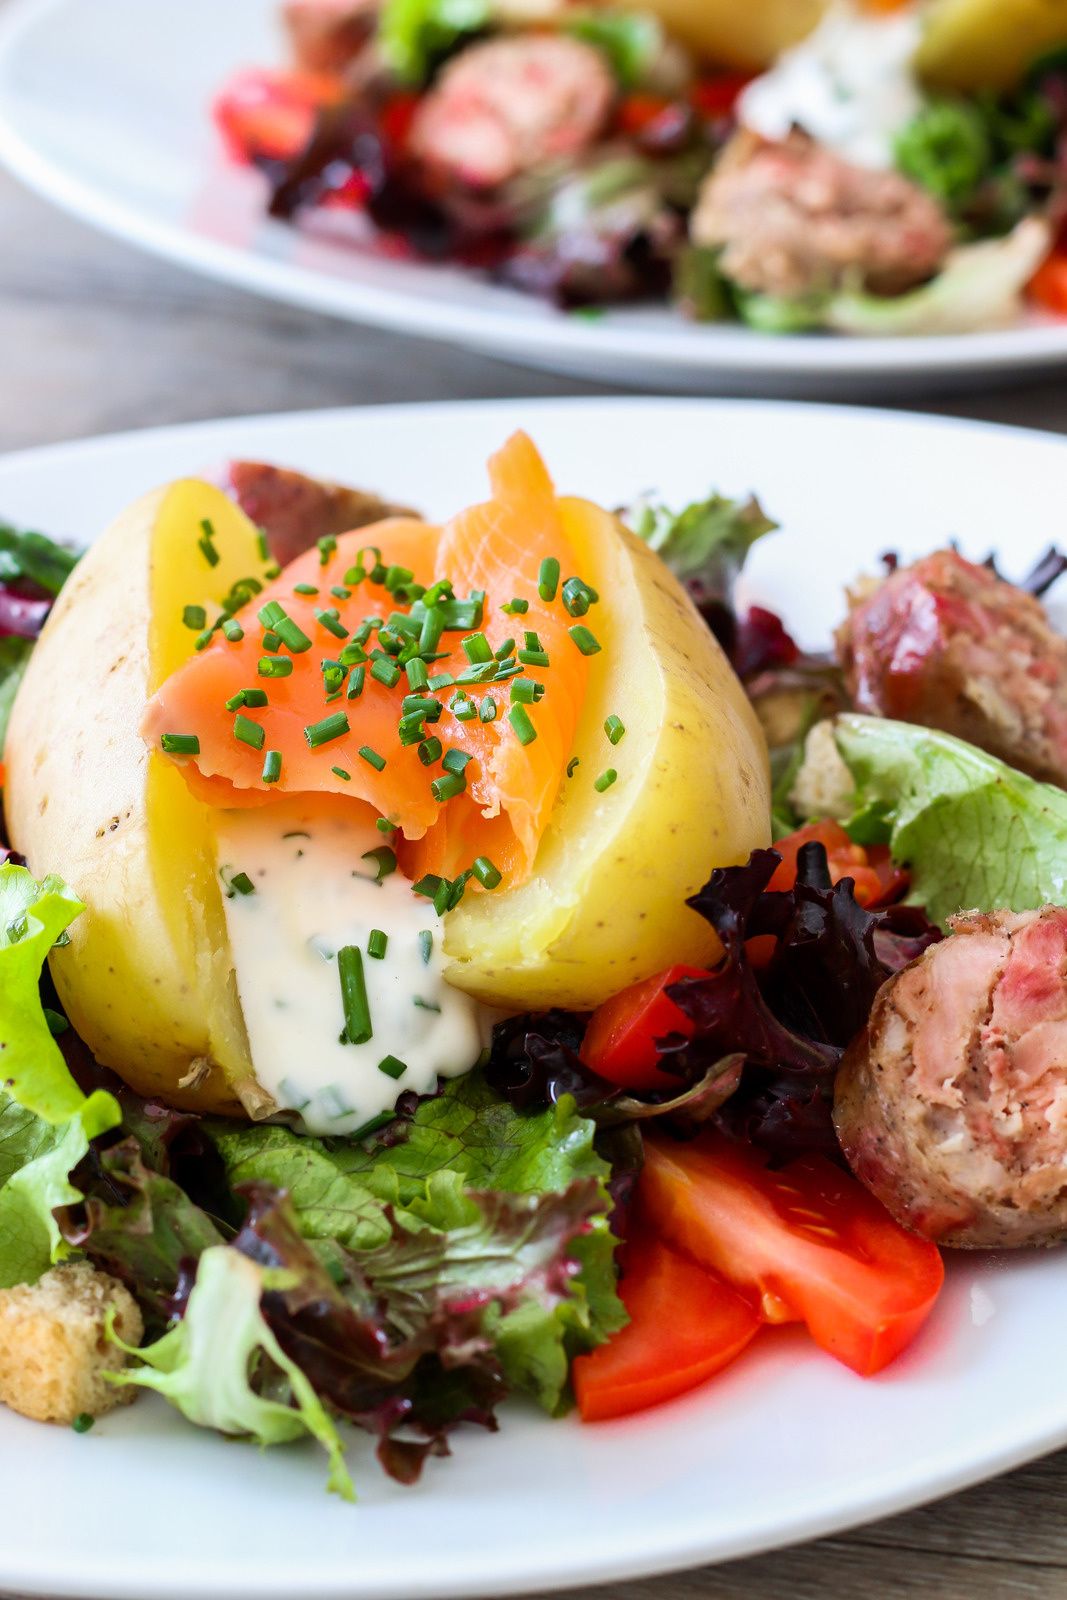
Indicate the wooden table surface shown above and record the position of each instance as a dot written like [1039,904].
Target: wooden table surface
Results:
[96,337]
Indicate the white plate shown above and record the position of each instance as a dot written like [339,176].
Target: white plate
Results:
[785,1445]
[104,108]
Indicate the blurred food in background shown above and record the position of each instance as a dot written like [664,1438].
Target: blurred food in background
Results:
[867,168]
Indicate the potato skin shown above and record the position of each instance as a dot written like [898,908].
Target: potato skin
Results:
[747,37]
[605,904]
[146,978]
[987,44]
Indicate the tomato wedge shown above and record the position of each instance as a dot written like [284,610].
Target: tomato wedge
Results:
[620,1041]
[271,115]
[685,1325]
[877,881]
[808,1241]
[1048,286]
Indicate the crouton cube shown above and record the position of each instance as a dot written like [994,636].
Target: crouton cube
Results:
[54,1349]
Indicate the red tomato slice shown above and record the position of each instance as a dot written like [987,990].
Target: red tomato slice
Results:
[271,114]
[877,882]
[1048,286]
[808,1240]
[716,97]
[685,1324]
[620,1041]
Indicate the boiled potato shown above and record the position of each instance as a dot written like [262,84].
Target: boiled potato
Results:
[146,978]
[605,904]
[987,44]
[745,36]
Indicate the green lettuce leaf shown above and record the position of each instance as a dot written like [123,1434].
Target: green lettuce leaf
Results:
[204,1364]
[631,40]
[46,1122]
[709,540]
[413,35]
[459,1145]
[14,654]
[973,832]
[33,916]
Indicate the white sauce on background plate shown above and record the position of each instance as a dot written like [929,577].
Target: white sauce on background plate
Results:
[849,85]
[314,894]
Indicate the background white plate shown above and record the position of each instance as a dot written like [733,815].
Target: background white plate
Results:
[104,108]
[785,1445]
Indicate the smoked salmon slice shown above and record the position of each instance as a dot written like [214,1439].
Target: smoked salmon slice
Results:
[436,674]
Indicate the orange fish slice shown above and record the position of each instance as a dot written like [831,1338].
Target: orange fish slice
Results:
[339,731]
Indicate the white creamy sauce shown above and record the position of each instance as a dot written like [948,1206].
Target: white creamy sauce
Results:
[849,85]
[312,895]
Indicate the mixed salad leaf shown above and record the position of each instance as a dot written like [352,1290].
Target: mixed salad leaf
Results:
[972,830]
[33,569]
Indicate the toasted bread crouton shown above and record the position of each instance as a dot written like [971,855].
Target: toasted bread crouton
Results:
[54,1348]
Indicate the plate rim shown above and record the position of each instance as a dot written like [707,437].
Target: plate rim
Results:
[554,341]
[944,1471]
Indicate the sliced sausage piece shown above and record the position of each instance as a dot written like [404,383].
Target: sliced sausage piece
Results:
[952,1105]
[504,106]
[793,218]
[294,510]
[953,646]
[326,35]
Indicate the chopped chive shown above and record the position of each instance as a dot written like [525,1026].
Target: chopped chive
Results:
[457,761]
[427,886]
[519,718]
[255,697]
[392,1066]
[248,732]
[481,672]
[332,624]
[448,786]
[587,642]
[305,588]
[205,546]
[614,727]
[485,872]
[425,945]
[202,640]
[275,666]
[339,592]
[233,630]
[506,670]
[293,636]
[476,648]
[372,757]
[270,640]
[417,675]
[261,544]
[272,571]
[83,1422]
[383,825]
[442,900]
[180,744]
[578,596]
[516,607]
[430,751]
[385,672]
[440,680]
[352,655]
[534,658]
[526,691]
[412,729]
[236,701]
[327,545]
[375,1125]
[396,577]
[458,890]
[548,578]
[433,626]
[425,1005]
[358,1027]
[194,617]
[377,944]
[606,779]
[241,883]
[340,772]
[357,679]
[424,704]
[463,708]
[332,727]
[504,650]
[488,709]
[384,860]
[272,766]
[572,766]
